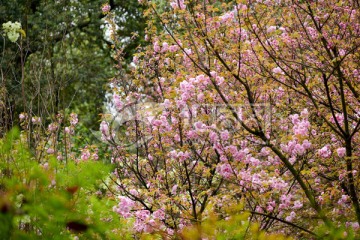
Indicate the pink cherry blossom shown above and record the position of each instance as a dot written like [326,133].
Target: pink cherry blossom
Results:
[325,152]
[341,152]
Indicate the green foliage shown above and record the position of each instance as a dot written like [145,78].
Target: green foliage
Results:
[64,62]
[131,25]
[335,233]
[53,200]
[235,226]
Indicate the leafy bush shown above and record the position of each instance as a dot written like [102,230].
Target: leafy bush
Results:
[53,200]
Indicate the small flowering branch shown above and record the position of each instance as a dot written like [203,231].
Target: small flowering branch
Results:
[105,8]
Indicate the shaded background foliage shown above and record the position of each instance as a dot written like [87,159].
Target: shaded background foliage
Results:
[65,58]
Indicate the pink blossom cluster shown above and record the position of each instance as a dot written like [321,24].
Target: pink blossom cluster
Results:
[36,120]
[53,127]
[118,102]
[104,129]
[178,4]
[325,151]
[105,8]
[73,119]
[89,153]
[301,126]
[180,156]
[22,116]
[124,206]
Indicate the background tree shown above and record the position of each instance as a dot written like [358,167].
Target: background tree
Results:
[64,62]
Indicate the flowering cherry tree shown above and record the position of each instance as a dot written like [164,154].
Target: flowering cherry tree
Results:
[249,103]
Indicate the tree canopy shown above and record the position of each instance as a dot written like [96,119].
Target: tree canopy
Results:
[64,62]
